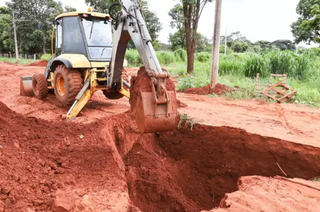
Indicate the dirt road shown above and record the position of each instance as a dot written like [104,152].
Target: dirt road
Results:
[99,162]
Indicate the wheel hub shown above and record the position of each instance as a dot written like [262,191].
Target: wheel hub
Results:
[61,86]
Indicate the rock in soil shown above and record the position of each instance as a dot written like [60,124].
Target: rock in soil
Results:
[64,202]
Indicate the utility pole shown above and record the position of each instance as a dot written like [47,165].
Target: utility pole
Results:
[15,36]
[216,45]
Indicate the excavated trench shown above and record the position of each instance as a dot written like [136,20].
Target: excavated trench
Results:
[184,170]
[192,170]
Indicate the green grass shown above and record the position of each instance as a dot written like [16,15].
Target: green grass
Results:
[13,60]
[317,179]
[239,70]
[45,57]
[184,118]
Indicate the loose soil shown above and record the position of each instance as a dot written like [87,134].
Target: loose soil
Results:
[100,162]
[219,90]
[42,63]
[144,85]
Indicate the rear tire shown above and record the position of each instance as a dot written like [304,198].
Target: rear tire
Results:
[113,95]
[67,84]
[39,86]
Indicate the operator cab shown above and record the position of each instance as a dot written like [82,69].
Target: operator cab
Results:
[88,34]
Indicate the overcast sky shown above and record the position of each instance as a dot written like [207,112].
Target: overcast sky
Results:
[256,19]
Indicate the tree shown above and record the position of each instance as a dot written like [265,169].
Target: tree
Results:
[176,42]
[233,37]
[34,23]
[284,45]
[176,14]
[239,46]
[192,10]
[69,9]
[263,44]
[6,32]
[151,19]
[307,27]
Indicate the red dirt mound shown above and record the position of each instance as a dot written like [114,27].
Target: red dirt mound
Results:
[39,63]
[219,89]
[40,158]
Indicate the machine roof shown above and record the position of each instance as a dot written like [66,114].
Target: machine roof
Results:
[94,14]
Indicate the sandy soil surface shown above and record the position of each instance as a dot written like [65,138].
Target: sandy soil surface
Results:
[258,193]
[49,109]
[296,123]
[100,162]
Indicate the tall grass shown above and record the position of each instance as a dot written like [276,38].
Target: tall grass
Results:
[133,57]
[303,71]
[282,62]
[256,64]
[165,57]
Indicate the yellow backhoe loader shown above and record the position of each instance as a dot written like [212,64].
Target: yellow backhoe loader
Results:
[88,51]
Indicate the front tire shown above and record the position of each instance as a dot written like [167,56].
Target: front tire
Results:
[67,84]
[39,86]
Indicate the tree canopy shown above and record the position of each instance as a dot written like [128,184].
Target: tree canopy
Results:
[33,22]
[185,18]
[153,22]
[307,27]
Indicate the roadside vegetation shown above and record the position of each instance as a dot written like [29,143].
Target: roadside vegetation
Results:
[13,60]
[240,70]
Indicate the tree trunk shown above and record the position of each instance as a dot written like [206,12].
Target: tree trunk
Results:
[187,12]
[44,45]
[191,15]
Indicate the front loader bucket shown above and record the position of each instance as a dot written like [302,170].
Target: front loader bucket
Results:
[149,120]
[26,86]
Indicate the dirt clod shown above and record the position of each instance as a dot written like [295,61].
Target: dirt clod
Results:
[64,201]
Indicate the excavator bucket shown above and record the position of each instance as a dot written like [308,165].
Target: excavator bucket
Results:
[152,112]
[151,117]
[26,86]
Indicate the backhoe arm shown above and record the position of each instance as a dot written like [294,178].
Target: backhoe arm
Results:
[130,23]
[155,110]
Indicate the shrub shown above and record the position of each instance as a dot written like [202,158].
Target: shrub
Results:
[239,46]
[203,57]
[45,57]
[165,57]
[180,55]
